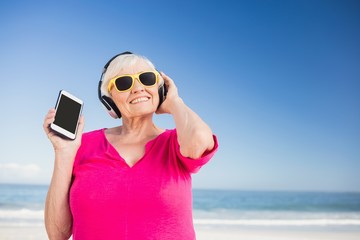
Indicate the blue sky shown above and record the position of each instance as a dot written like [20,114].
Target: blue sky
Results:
[277,81]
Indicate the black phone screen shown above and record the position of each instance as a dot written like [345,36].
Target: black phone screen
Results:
[67,113]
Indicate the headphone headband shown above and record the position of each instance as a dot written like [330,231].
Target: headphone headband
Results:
[108,63]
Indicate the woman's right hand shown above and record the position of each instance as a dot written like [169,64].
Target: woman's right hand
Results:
[62,145]
[58,218]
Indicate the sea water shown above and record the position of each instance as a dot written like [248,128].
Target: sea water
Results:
[282,209]
[23,205]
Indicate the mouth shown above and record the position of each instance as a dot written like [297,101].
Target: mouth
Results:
[139,100]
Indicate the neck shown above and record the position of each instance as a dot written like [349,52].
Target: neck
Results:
[139,126]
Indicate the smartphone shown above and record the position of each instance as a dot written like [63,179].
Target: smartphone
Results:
[68,110]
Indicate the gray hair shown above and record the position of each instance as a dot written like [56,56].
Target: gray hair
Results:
[118,64]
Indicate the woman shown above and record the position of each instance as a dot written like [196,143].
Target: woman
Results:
[132,181]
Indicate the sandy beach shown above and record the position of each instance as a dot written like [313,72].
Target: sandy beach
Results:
[23,232]
[233,233]
[211,233]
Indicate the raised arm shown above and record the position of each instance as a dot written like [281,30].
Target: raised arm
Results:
[58,218]
[194,135]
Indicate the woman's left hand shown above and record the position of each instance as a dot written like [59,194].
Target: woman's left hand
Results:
[172,95]
[193,134]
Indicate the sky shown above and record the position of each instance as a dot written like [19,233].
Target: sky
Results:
[277,81]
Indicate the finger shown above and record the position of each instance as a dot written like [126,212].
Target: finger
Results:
[49,118]
[168,81]
[51,110]
[163,77]
[50,114]
[166,77]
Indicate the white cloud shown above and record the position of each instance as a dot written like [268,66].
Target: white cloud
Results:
[15,172]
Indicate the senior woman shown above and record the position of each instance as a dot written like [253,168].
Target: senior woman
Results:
[132,181]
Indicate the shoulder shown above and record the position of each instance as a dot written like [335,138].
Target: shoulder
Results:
[166,134]
[90,142]
[95,134]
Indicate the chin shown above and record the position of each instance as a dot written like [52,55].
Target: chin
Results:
[143,113]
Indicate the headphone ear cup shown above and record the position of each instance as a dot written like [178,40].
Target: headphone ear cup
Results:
[112,108]
[162,93]
[108,103]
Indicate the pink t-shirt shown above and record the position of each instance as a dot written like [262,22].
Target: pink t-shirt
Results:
[151,200]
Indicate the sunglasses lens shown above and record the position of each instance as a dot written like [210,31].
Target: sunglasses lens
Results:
[123,83]
[148,78]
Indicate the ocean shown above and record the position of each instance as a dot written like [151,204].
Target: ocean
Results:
[23,206]
[281,209]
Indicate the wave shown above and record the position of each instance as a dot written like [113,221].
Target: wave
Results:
[276,218]
[279,222]
[24,217]
[25,214]
[21,218]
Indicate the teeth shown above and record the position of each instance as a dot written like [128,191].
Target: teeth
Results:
[137,100]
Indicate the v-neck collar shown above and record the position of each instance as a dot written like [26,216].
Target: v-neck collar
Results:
[115,154]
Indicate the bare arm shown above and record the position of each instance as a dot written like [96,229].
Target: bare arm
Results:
[58,218]
[194,135]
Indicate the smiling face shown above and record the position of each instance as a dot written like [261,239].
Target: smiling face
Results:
[140,100]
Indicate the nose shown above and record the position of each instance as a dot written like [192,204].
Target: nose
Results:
[138,87]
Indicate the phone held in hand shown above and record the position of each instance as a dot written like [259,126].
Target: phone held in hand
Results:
[68,111]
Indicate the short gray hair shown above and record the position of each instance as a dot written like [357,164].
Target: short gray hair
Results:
[118,64]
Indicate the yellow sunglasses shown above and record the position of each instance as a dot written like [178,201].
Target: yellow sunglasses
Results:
[125,82]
